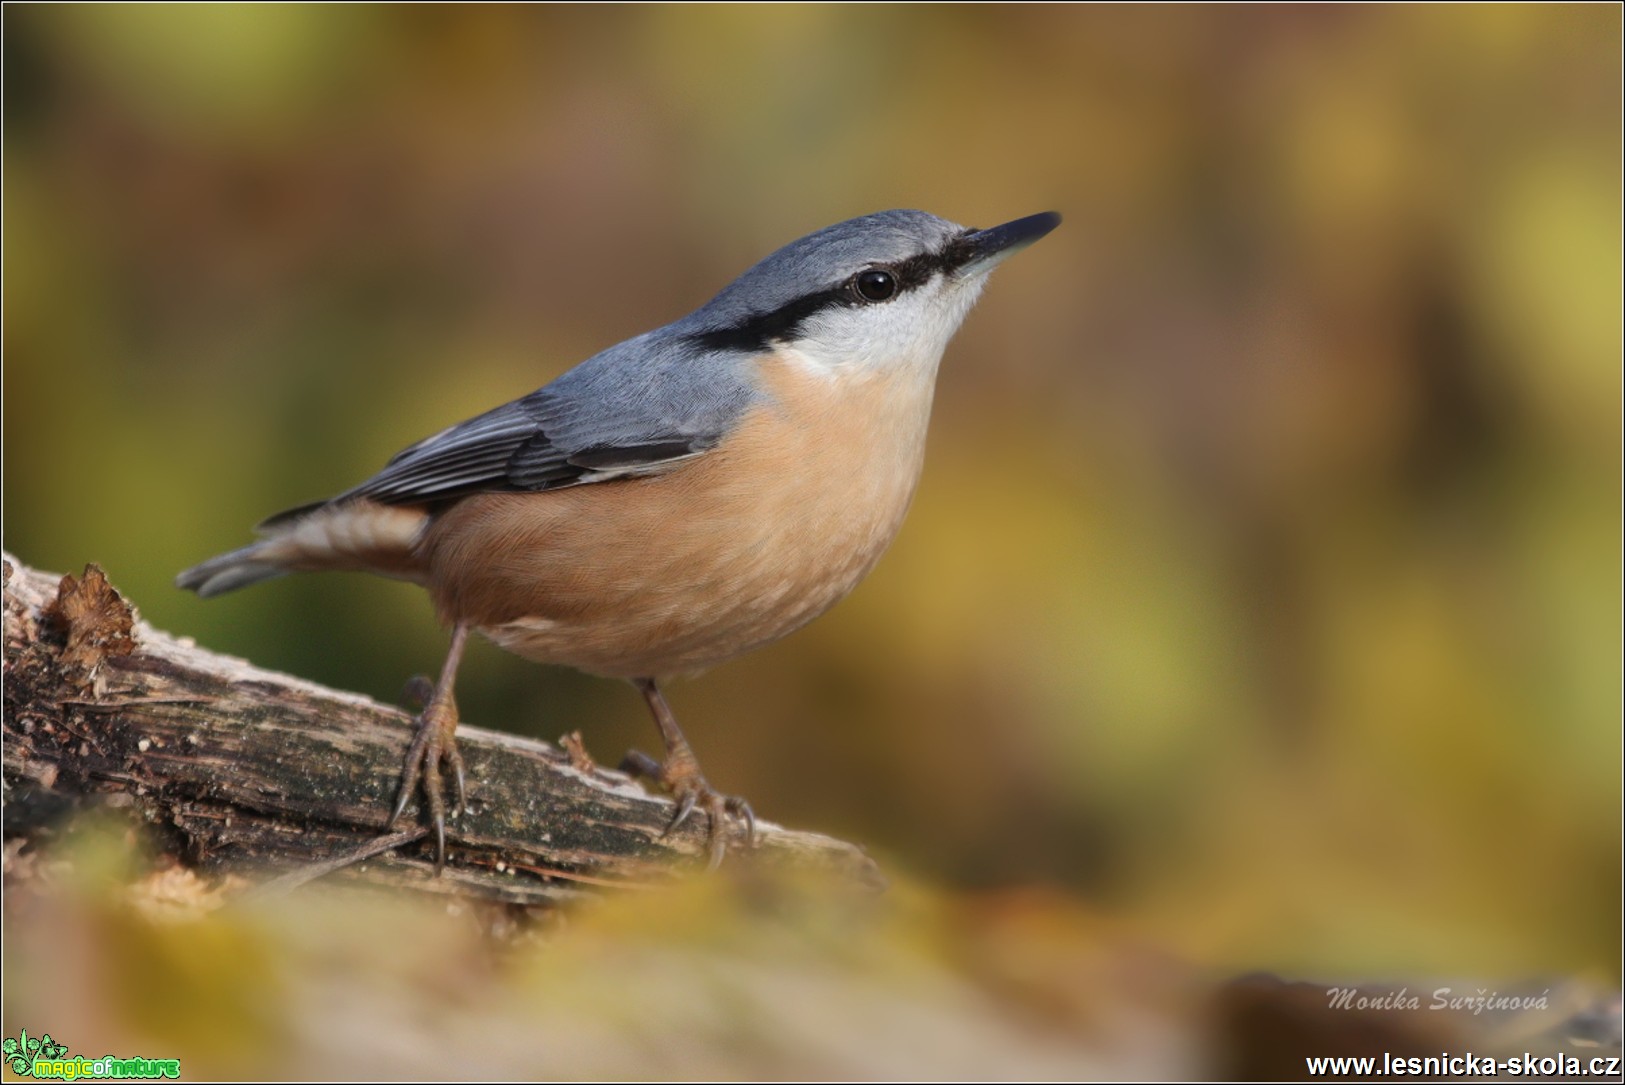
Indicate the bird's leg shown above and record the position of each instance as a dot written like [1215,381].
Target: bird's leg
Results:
[680,774]
[435,744]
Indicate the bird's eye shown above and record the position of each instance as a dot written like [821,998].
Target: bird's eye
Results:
[875,285]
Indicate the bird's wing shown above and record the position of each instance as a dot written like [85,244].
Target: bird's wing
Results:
[636,409]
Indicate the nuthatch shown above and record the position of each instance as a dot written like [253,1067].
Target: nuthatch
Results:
[677,500]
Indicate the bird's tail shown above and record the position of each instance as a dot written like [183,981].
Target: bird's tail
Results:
[359,535]
[228,572]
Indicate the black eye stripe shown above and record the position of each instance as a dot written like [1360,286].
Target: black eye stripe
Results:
[759,332]
[916,271]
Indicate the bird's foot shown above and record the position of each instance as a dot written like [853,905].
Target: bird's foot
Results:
[681,777]
[433,747]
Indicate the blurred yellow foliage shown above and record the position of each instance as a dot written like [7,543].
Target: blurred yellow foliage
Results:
[757,975]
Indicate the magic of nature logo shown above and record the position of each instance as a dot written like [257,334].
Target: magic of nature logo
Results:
[42,1057]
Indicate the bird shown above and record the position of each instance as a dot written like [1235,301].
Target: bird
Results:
[674,501]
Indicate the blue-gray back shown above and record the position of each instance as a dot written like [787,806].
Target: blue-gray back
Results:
[650,402]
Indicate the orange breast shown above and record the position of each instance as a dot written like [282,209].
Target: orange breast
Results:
[674,573]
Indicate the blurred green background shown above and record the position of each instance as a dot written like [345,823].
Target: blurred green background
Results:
[1263,587]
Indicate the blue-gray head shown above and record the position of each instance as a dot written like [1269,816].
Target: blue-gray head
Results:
[886,289]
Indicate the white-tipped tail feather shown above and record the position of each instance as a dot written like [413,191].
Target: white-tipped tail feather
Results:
[354,535]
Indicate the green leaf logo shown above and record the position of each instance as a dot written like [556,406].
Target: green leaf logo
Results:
[16,1053]
[19,1052]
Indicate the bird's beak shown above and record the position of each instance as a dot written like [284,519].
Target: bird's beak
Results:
[983,249]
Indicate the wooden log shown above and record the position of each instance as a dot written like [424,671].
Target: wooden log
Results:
[245,770]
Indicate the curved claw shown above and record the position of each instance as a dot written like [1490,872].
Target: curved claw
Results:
[739,808]
[685,806]
[439,842]
[716,849]
[459,780]
[402,793]
[410,772]
[434,745]
[693,793]
[680,775]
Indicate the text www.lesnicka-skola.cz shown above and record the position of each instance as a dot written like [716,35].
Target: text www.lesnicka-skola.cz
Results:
[1467,1065]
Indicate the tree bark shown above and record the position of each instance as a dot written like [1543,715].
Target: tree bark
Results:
[248,771]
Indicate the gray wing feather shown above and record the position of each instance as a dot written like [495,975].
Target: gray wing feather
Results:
[638,408]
